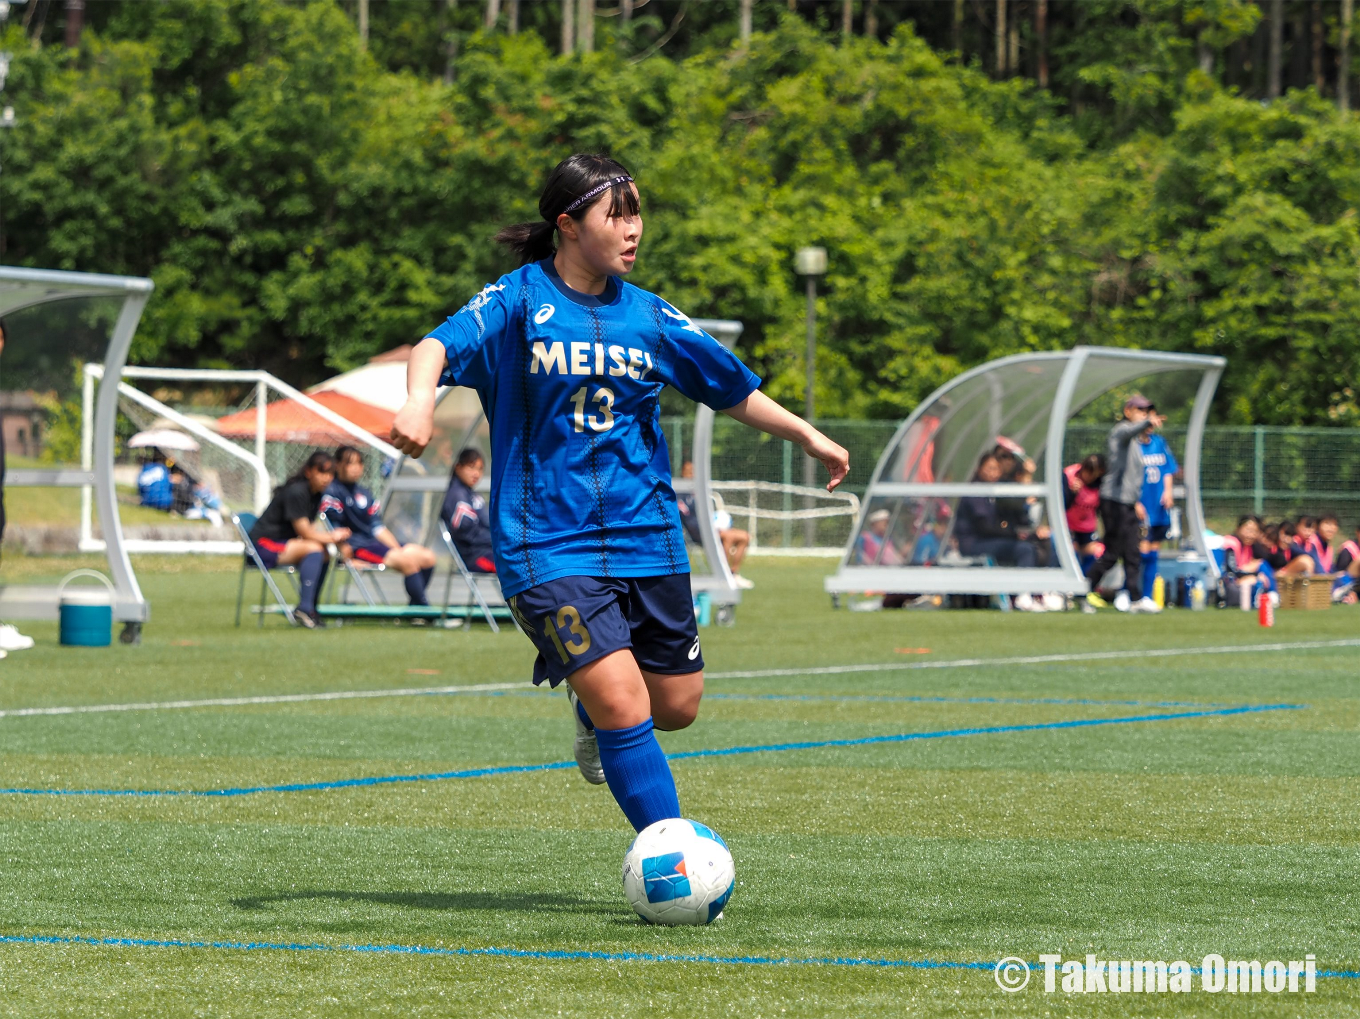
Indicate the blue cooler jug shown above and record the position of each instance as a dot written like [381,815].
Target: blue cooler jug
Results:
[86,613]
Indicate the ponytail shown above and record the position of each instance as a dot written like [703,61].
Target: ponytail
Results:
[530,242]
[575,185]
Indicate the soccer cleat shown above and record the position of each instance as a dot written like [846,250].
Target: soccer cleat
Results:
[12,640]
[1096,601]
[1121,601]
[308,620]
[586,748]
[742,582]
[1145,604]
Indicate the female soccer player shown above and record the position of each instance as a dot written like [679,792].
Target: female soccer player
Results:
[569,362]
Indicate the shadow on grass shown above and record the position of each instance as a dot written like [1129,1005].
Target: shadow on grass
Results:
[515,902]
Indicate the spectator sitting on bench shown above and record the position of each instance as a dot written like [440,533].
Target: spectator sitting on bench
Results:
[874,546]
[1348,566]
[986,526]
[348,505]
[466,515]
[734,540]
[1081,498]
[1276,549]
[286,533]
[1305,545]
[1242,565]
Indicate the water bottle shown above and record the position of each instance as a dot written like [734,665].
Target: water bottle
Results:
[1197,597]
[1159,591]
[1265,609]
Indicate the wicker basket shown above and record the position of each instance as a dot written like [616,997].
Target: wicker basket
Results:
[1298,591]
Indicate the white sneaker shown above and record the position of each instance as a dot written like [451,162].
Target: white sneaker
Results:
[12,640]
[1026,603]
[1145,604]
[1055,602]
[586,747]
[1121,601]
[742,582]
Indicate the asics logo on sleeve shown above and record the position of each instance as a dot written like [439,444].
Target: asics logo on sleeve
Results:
[544,313]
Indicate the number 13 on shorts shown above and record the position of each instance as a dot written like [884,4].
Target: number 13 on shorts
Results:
[566,631]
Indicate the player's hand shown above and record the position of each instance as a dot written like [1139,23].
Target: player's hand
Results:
[833,457]
[339,534]
[413,426]
[1141,511]
[1168,500]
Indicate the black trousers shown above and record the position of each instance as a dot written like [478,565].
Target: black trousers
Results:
[1122,534]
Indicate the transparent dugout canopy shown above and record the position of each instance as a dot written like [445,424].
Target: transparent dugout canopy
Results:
[22,289]
[914,533]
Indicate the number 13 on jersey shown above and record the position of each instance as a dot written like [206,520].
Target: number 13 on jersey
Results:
[603,401]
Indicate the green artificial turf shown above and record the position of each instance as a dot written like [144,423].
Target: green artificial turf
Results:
[1238,834]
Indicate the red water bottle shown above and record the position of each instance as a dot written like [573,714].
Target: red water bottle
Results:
[1265,608]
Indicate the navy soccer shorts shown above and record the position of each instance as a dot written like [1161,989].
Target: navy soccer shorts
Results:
[1156,533]
[574,621]
[367,550]
[269,551]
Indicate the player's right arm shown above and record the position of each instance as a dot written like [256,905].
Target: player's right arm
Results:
[414,423]
[461,351]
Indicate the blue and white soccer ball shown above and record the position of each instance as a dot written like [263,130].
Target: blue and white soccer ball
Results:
[678,872]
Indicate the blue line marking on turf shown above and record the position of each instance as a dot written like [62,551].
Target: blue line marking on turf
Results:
[924,699]
[517,769]
[525,953]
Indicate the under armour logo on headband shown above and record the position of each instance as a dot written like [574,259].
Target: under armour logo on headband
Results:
[599,189]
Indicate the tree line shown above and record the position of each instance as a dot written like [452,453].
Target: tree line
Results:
[312,183]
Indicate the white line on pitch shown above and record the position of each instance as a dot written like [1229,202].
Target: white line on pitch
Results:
[825,670]
[232,702]
[1085,656]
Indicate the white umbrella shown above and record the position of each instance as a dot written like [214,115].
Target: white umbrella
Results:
[162,438]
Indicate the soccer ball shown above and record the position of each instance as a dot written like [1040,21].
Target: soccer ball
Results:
[678,872]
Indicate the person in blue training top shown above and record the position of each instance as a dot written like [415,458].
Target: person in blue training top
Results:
[1159,472]
[349,505]
[569,362]
[466,514]
[154,485]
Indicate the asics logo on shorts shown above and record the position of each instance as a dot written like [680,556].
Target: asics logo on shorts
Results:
[544,313]
[694,650]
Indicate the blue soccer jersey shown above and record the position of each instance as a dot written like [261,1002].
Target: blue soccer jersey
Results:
[571,383]
[1158,462]
[351,506]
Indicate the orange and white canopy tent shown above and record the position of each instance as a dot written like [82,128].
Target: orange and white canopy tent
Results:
[290,421]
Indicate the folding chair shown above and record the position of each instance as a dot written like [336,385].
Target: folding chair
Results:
[243,522]
[354,571]
[474,588]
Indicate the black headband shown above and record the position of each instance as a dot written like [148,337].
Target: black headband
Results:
[597,190]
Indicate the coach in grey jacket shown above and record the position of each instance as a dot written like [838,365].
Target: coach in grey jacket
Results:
[1121,513]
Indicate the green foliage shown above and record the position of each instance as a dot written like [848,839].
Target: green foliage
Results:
[303,204]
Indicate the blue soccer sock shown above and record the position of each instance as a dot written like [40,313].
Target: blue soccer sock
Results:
[581,714]
[415,588]
[638,774]
[1086,562]
[1149,571]
[311,572]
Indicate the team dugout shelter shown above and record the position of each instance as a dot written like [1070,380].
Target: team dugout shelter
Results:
[906,539]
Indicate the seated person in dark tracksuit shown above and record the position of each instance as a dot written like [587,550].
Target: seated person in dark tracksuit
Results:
[349,505]
[467,515]
[986,526]
[286,533]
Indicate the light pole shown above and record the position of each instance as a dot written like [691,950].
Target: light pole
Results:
[810,263]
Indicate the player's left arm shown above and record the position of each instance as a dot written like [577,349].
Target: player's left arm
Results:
[707,372]
[386,537]
[1169,479]
[759,411]
[414,424]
